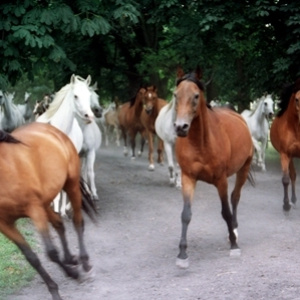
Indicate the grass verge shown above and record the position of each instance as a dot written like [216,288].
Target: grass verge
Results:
[15,271]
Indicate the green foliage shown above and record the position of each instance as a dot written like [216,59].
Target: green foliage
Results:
[244,48]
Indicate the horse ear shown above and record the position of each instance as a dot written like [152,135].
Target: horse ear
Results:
[199,73]
[179,72]
[88,80]
[73,77]
[95,86]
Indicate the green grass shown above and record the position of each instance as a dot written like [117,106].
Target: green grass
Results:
[15,271]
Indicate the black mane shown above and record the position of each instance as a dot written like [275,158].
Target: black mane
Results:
[286,96]
[7,138]
[191,77]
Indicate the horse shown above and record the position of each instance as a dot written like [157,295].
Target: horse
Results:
[29,182]
[110,122]
[25,108]
[92,138]
[130,123]
[164,127]
[41,106]
[211,145]
[152,105]
[71,102]
[258,123]
[11,117]
[285,138]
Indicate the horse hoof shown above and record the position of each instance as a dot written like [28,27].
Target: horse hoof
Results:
[235,252]
[151,167]
[139,153]
[132,157]
[182,263]
[172,181]
[86,276]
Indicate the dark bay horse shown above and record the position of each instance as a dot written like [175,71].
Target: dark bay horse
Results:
[37,161]
[152,105]
[130,124]
[212,144]
[285,137]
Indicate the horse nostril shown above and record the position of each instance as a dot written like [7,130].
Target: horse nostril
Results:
[185,127]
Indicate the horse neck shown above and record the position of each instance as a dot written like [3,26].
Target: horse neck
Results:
[199,130]
[138,106]
[61,112]
[258,113]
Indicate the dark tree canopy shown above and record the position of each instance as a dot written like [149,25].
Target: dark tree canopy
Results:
[244,48]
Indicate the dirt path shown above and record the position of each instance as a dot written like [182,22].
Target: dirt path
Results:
[134,248]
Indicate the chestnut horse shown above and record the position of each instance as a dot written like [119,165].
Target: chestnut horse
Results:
[37,161]
[152,106]
[129,121]
[285,137]
[212,144]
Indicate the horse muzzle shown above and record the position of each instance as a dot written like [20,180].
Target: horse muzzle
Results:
[181,129]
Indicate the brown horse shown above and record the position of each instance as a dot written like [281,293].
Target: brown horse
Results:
[129,121]
[285,137]
[37,161]
[152,106]
[212,145]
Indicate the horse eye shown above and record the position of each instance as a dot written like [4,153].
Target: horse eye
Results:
[265,104]
[76,97]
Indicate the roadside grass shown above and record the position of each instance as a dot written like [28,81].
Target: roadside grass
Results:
[15,271]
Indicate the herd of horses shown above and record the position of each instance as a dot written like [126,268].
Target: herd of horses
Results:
[210,144]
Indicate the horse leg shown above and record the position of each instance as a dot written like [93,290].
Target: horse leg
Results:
[188,188]
[73,190]
[90,161]
[150,154]
[124,136]
[132,142]
[293,176]
[14,235]
[222,187]
[258,152]
[263,154]
[117,135]
[160,149]
[143,141]
[285,163]
[58,225]
[169,153]
[240,180]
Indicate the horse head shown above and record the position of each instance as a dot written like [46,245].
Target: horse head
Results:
[150,99]
[82,97]
[268,104]
[95,106]
[189,97]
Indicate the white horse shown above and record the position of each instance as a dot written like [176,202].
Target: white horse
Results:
[258,123]
[25,108]
[71,102]
[164,127]
[92,138]
[11,117]
[109,123]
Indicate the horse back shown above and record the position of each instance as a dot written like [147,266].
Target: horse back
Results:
[37,167]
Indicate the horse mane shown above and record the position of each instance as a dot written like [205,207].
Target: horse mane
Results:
[57,101]
[285,96]
[7,138]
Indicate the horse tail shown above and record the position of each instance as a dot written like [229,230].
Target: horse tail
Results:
[250,176]
[88,204]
